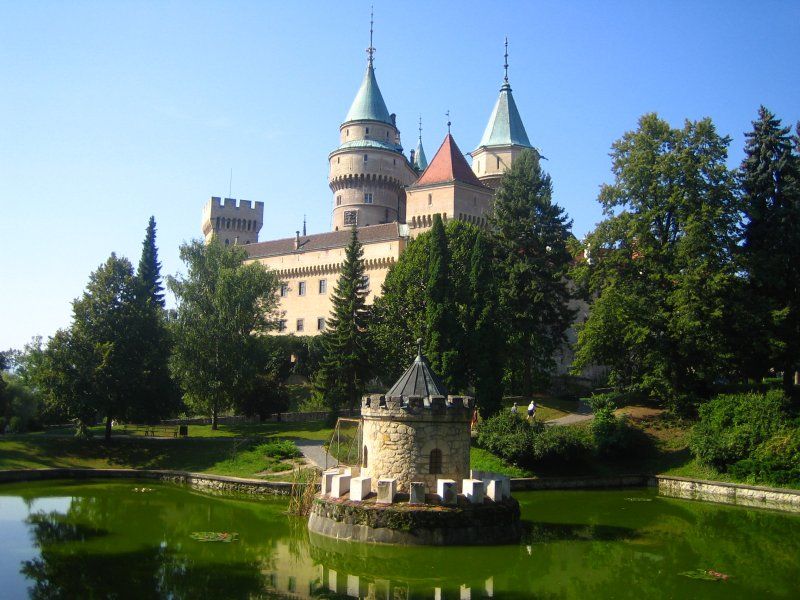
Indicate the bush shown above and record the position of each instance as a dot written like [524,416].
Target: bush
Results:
[15,425]
[508,436]
[560,443]
[280,449]
[776,461]
[610,434]
[732,426]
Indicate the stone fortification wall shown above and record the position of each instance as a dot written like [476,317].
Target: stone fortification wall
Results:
[399,436]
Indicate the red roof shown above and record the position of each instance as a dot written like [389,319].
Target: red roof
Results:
[448,165]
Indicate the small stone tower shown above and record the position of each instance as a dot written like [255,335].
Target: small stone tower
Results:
[232,222]
[504,138]
[416,432]
[368,171]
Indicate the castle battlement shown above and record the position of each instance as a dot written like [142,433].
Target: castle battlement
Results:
[418,408]
[233,221]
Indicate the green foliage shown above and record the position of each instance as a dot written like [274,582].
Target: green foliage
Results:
[15,425]
[661,265]
[775,461]
[223,307]
[347,362]
[507,436]
[280,449]
[770,181]
[732,426]
[611,435]
[3,422]
[530,234]
[560,444]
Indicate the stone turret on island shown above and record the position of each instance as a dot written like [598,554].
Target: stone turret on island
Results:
[413,484]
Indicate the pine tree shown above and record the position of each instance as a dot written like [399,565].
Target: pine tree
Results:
[441,318]
[347,362]
[531,234]
[770,182]
[158,395]
[485,336]
[149,272]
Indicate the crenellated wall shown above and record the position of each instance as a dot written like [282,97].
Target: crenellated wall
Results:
[232,221]
[399,436]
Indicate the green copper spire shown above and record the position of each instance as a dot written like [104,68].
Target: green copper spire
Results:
[368,104]
[420,160]
[505,126]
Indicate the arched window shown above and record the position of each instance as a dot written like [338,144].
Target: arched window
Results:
[217,222]
[365,464]
[435,467]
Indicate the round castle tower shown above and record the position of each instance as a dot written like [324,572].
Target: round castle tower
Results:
[416,432]
[368,171]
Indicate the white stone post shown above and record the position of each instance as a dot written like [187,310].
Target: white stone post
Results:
[416,492]
[494,489]
[360,488]
[446,490]
[387,488]
[327,480]
[473,490]
[341,485]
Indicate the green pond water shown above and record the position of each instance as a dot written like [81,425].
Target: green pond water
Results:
[100,540]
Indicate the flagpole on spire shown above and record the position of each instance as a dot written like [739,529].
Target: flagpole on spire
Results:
[420,129]
[505,65]
[371,49]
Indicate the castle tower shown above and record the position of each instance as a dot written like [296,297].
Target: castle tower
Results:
[416,432]
[504,138]
[420,160]
[447,187]
[232,222]
[368,171]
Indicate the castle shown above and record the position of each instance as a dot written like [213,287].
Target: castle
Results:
[388,196]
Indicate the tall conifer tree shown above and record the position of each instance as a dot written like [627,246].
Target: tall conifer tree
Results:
[441,317]
[149,272]
[770,181]
[531,234]
[347,363]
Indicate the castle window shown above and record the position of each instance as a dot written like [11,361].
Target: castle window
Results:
[320,323]
[367,131]
[338,200]
[365,461]
[228,224]
[227,242]
[351,217]
[365,158]
[435,463]
[430,199]
[368,197]
[301,288]
[498,162]
[365,282]
[338,159]
[347,132]
[282,325]
[299,324]
[284,290]
[323,286]
[217,222]
[474,201]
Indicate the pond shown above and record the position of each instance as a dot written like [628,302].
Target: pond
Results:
[144,540]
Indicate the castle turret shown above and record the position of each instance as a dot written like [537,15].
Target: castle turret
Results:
[232,222]
[504,138]
[368,171]
[420,160]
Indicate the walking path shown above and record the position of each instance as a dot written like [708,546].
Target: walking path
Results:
[584,413]
[315,453]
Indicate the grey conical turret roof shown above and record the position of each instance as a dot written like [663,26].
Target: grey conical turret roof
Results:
[418,380]
[420,160]
[505,126]
[368,104]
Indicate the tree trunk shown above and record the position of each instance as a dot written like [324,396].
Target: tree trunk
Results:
[214,419]
[108,428]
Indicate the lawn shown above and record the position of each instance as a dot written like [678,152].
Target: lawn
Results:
[547,407]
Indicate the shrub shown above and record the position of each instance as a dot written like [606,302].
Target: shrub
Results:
[15,425]
[732,426]
[611,435]
[560,443]
[280,449]
[776,461]
[507,436]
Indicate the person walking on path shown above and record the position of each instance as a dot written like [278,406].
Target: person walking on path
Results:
[514,409]
[531,410]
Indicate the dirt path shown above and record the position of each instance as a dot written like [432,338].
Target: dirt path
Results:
[314,451]
[584,413]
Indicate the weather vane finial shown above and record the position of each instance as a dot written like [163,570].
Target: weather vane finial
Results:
[505,65]
[371,49]
[447,114]
[420,128]
[419,346]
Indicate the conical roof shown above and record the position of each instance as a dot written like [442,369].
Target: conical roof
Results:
[505,126]
[418,380]
[448,165]
[368,104]
[420,160]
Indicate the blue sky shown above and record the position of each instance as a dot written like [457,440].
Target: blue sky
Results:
[113,111]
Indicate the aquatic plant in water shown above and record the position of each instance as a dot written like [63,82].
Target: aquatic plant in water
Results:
[214,536]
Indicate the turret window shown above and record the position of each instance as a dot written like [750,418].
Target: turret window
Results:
[367,131]
[323,286]
[320,323]
[338,200]
[435,463]
[498,162]
[430,199]
[351,217]
[301,288]
[368,198]
[300,325]
[365,158]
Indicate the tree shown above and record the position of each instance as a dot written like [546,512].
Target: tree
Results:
[347,360]
[530,234]
[441,321]
[661,264]
[157,395]
[770,181]
[223,304]
[485,337]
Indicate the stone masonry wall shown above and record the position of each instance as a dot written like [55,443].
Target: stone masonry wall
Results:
[399,439]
